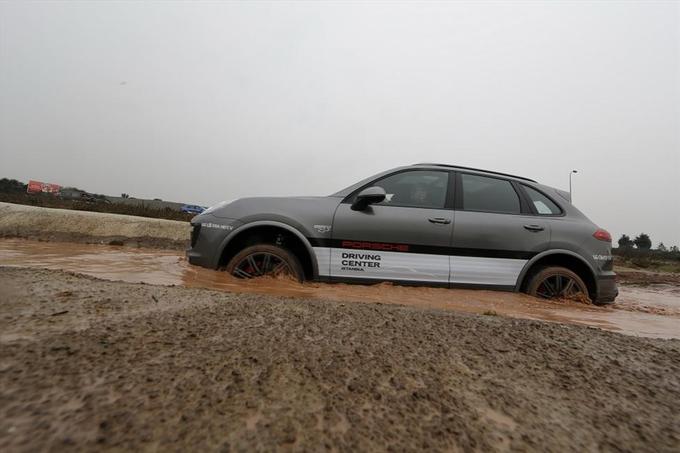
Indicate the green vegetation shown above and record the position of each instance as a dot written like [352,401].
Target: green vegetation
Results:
[12,186]
[638,253]
[643,242]
[647,263]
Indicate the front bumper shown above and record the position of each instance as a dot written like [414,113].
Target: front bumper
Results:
[208,236]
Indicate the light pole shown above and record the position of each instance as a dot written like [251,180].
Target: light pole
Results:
[571,173]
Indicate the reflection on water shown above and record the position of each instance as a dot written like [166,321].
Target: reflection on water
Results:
[652,312]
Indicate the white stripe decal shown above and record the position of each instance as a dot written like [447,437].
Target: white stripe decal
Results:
[485,271]
[417,267]
[323,260]
[385,265]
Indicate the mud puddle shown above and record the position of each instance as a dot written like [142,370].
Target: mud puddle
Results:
[652,311]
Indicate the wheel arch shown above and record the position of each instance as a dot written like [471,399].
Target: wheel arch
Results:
[565,258]
[309,261]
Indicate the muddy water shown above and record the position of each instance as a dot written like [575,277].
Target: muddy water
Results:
[652,311]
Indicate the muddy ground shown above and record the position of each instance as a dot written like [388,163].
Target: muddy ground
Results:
[87,364]
[640,277]
[643,310]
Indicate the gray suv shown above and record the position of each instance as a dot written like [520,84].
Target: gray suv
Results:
[427,224]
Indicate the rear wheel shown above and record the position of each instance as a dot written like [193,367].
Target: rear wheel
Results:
[265,260]
[558,283]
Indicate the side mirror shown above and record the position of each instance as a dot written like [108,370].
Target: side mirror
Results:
[368,196]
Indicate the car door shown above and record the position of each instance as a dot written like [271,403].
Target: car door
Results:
[494,233]
[404,238]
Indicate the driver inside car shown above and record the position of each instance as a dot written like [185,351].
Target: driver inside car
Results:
[419,195]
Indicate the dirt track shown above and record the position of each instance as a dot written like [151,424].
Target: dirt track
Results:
[88,364]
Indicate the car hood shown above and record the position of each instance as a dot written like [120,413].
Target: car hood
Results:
[307,214]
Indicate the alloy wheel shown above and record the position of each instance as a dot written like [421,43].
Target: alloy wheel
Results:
[260,264]
[560,286]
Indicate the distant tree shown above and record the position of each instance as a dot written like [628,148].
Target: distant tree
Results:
[124,195]
[624,241]
[11,185]
[661,247]
[643,242]
[674,249]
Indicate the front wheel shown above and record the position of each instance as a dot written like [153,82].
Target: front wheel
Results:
[558,283]
[265,260]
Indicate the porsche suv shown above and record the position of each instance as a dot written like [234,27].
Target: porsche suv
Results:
[429,224]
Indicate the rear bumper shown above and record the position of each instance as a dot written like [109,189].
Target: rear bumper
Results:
[607,290]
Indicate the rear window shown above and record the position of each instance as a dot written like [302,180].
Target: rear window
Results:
[481,193]
[543,204]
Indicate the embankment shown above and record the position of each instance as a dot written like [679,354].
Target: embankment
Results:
[48,224]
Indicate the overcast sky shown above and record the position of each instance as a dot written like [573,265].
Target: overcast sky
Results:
[203,102]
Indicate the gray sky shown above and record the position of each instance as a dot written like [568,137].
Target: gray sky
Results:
[211,101]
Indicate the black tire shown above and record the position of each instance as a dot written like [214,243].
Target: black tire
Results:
[557,282]
[251,262]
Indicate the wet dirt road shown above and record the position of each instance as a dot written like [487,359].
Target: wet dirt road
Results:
[651,311]
[94,365]
[89,364]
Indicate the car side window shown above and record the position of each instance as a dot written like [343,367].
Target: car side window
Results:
[543,204]
[415,189]
[481,193]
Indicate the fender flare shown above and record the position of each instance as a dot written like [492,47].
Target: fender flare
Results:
[272,223]
[529,264]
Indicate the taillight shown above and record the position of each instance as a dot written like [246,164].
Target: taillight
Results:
[602,235]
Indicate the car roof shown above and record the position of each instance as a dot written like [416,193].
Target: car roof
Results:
[477,170]
[348,190]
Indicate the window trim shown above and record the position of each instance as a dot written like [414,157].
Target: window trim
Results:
[533,209]
[524,207]
[448,198]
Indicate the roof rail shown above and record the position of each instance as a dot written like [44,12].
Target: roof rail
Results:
[477,169]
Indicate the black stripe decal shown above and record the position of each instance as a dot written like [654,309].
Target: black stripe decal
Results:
[491,253]
[423,249]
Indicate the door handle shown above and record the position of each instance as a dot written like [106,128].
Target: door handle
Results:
[441,220]
[534,227]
